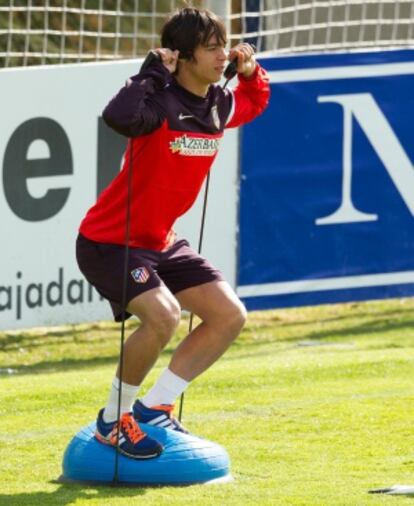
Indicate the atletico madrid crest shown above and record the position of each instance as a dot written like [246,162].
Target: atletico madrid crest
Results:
[140,275]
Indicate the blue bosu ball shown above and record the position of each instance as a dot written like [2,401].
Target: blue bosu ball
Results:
[186,460]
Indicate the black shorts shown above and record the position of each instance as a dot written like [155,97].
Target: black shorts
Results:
[178,268]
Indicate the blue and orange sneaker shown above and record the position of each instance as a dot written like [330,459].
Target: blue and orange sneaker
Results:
[159,416]
[132,441]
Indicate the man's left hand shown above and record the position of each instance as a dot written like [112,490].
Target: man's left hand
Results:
[246,62]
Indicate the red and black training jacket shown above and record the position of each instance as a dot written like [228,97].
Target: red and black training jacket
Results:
[175,136]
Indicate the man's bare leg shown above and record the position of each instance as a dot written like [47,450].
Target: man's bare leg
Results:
[223,316]
[159,313]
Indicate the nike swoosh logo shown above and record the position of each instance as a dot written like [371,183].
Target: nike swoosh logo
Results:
[185,116]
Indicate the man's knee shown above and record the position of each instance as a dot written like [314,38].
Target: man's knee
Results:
[158,311]
[231,318]
[237,316]
[163,320]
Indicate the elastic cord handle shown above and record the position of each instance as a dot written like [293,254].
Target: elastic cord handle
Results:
[231,69]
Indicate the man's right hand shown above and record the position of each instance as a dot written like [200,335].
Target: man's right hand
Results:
[168,58]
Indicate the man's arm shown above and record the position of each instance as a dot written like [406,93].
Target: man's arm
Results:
[135,110]
[251,96]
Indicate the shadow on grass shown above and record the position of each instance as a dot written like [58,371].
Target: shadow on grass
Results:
[376,325]
[11,342]
[67,364]
[50,366]
[277,320]
[68,494]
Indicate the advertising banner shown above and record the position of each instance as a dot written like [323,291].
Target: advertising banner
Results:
[56,155]
[327,183]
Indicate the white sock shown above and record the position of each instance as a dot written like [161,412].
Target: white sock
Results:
[168,387]
[128,395]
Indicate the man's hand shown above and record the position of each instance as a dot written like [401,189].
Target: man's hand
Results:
[168,58]
[246,62]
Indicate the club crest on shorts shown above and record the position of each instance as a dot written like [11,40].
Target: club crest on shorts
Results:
[140,275]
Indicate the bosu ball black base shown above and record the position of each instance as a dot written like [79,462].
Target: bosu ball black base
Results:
[186,460]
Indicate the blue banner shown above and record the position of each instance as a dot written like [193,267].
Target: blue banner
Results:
[327,182]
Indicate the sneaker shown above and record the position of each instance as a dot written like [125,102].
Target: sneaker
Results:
[159,416]
[132,441]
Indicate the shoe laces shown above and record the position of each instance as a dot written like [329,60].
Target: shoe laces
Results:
[131,428]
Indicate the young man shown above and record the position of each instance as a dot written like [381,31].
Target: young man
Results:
[174,116]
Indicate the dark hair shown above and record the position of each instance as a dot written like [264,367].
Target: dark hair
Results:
[190,27]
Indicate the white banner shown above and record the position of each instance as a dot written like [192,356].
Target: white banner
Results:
[53,159]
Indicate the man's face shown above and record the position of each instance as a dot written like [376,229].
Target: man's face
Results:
[209,61]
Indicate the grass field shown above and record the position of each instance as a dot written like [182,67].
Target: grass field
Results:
[315,406]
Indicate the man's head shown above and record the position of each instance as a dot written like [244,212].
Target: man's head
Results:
[190,28]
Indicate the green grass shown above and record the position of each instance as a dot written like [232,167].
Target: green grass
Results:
[304,425]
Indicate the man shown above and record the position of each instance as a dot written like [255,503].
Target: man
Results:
[174,116]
